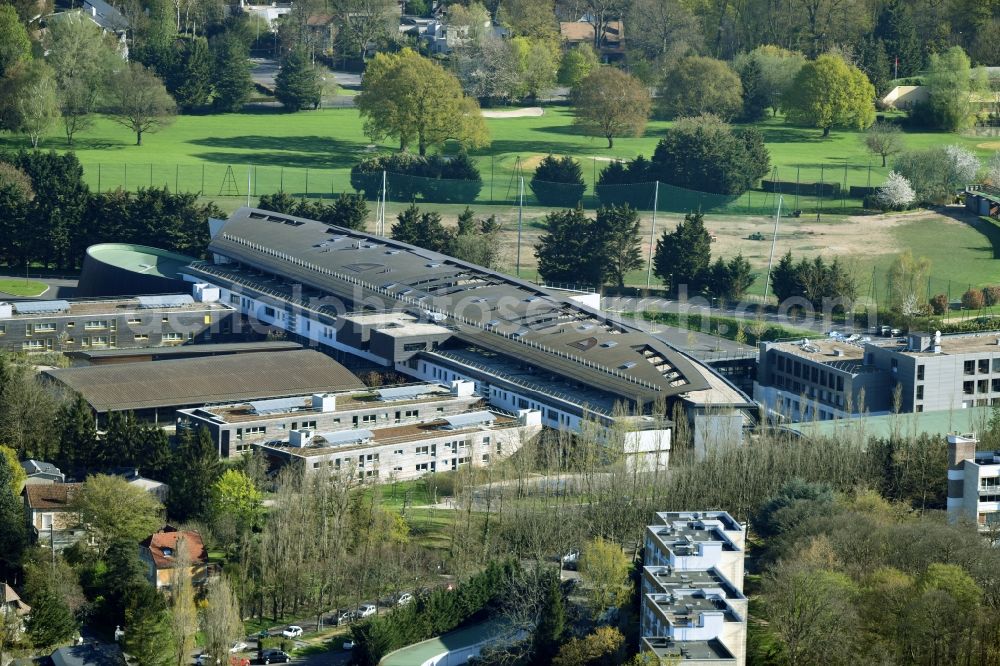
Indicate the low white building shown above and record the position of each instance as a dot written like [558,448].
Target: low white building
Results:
[973,482]
[693,608]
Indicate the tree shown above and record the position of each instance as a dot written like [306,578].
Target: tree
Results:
[81,58]
[874,62]
[529,18]
[697,85]
[567,252]
[478,241]
[192,82]
[12,527]
[729,280]
[193,474]
[183,612]
[705,154]
[139,100]
[884,139]
[936,174]
[604,569]
[895,193]
[537,65]
[415,100]
[682,256]
[51,621]
[220,620]
[794,501]
[297,84]
[778,68]
[100,503]
[577,64]
[895,28]
[552,622]
[236,498]
[363,22]
[603,646]
[28,102]
[828,92]
[756,98]
[669,30]
[349,211]
[422,229]
[15,46]
[18,475]
[609,103]
[233,84]
[148,632]
[617,231]
[558,181]
[939,304]
[952,89]
[488,70]
[121,440]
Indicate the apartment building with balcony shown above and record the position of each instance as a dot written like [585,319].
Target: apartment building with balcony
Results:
[693,607]
[973,483]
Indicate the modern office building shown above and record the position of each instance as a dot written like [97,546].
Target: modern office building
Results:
[409,450]
[234,427]
[839,377]
[92,324]
[973,483]
[439,319]
[693,608]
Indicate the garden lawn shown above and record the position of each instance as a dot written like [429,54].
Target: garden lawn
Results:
[20,287]
[311,152]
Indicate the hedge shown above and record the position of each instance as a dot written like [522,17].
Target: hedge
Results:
[435,179]
[789,187]
[430,615]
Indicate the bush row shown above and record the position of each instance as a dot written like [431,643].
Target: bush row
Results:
[435,179]
[430,615]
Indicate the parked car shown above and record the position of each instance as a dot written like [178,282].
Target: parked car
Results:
[276,657]
[292,631]
[238,646]
[347,616]
[570,560]
[349,644]
[404,599]
[366,610]
[204,660]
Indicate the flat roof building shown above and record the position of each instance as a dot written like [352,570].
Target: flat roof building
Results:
[154,390]
[973,483]
[439,319]
[99,324]
[234,427]
[839,376]
[693,607]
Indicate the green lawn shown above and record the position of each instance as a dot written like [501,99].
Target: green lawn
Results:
[311,152]
[21,287]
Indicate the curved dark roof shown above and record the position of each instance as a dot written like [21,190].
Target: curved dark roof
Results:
[493,310]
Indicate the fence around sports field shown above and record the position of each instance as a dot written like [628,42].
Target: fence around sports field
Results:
[804,190]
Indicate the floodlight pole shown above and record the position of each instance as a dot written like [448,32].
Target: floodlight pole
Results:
[380,221]
[520,219]
[652,232]
[249,171]
[774,241]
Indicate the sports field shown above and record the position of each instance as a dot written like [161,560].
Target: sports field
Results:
[310,153]
[22,287]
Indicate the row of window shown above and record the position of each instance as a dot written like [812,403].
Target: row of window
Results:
[972,387]
[810,373]
[980,366]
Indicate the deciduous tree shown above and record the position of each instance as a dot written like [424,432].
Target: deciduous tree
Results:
[12,525]
[884,139]
[696,85]
[415,100]
[604,569]
[221,623]
[952,88]
[183,612]
[609,102]
[895,193]
[139,100]
[236,498]
[100,503]
[577,64]
[15,45]
[828,92]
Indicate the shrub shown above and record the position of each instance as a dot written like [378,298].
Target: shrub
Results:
[436,178]
[972,299]
[896,193]
[991,296]
[629,183]
[558,181]
[939,304]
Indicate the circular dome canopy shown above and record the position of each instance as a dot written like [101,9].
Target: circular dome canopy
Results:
[125,269]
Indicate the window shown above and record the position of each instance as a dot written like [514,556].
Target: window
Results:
[920,373]
[173,337]
[410,413]
[255,430]
[920,392]
[134,320]
[422,467]
[968,388]
[969,367]
[45,328]
[996,385]
[397,452]
[308,425]
[141,338]
[984,366]
[414,346]
[33,345]
[982,386]
[268,312]
[422,450]
[95,325]
[234,299]
[369,418]
[99,341]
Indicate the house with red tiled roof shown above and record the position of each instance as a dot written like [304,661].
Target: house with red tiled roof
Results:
[161,552]
[51,516]
[12,606]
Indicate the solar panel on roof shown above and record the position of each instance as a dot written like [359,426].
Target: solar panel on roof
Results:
[277,405]
[469,420]
[167,301]
[404,392]
[342,437]
[40,307]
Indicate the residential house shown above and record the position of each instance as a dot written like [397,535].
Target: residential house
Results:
[611,44]
[41,472]
[160,551]
[52,519]
[11,605]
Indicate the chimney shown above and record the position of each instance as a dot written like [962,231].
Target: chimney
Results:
[961,448]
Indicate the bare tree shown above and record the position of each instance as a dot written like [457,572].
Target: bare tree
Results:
[220,621]
[884,139]
[183,614]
